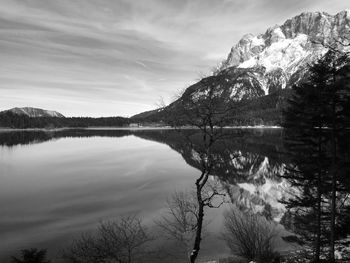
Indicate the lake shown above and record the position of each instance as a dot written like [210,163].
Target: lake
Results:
[58,184]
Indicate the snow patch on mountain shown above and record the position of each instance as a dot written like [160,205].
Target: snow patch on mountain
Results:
[284,54]
[257,41]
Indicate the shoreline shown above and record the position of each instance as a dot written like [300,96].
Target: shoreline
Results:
[4,129]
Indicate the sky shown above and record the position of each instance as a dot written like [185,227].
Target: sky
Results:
[121,57]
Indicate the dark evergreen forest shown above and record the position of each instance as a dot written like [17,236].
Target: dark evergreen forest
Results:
[11,120]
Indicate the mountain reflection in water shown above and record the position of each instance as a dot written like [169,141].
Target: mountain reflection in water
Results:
[247,162]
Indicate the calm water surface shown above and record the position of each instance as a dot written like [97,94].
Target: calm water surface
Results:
[55,185]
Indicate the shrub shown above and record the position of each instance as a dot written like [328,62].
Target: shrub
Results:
[250,236]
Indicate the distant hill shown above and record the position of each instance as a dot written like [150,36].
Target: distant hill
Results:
[24,118]
[35,112]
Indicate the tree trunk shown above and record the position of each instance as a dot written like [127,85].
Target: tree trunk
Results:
[333,202]
[198,239]
[318,232]
[333,215]
[200,183]
[333,174]
[319,201]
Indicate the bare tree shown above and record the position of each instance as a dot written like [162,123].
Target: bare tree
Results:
[207,111]
[249,235]
[160,103]
[179,223]
[121,241]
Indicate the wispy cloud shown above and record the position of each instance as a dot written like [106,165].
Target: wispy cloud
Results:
[116,57]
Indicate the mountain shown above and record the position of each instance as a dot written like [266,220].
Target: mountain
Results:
[280,55]
[35,112]
[260,70]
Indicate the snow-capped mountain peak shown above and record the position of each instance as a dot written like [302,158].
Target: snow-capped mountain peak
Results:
[283,50]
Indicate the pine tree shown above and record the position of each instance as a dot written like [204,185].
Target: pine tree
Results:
[336,99]
[316,123]
[304,140]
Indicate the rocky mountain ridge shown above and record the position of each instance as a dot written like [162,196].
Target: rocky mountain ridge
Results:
[285,50]
[259,70]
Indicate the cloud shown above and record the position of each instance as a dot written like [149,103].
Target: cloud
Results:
[121,55]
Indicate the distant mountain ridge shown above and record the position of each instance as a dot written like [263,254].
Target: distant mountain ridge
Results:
[260,70]
[35,112]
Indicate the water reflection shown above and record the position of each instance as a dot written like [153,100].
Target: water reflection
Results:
[247,162]
[63,182]
[250,159]
[13,138]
